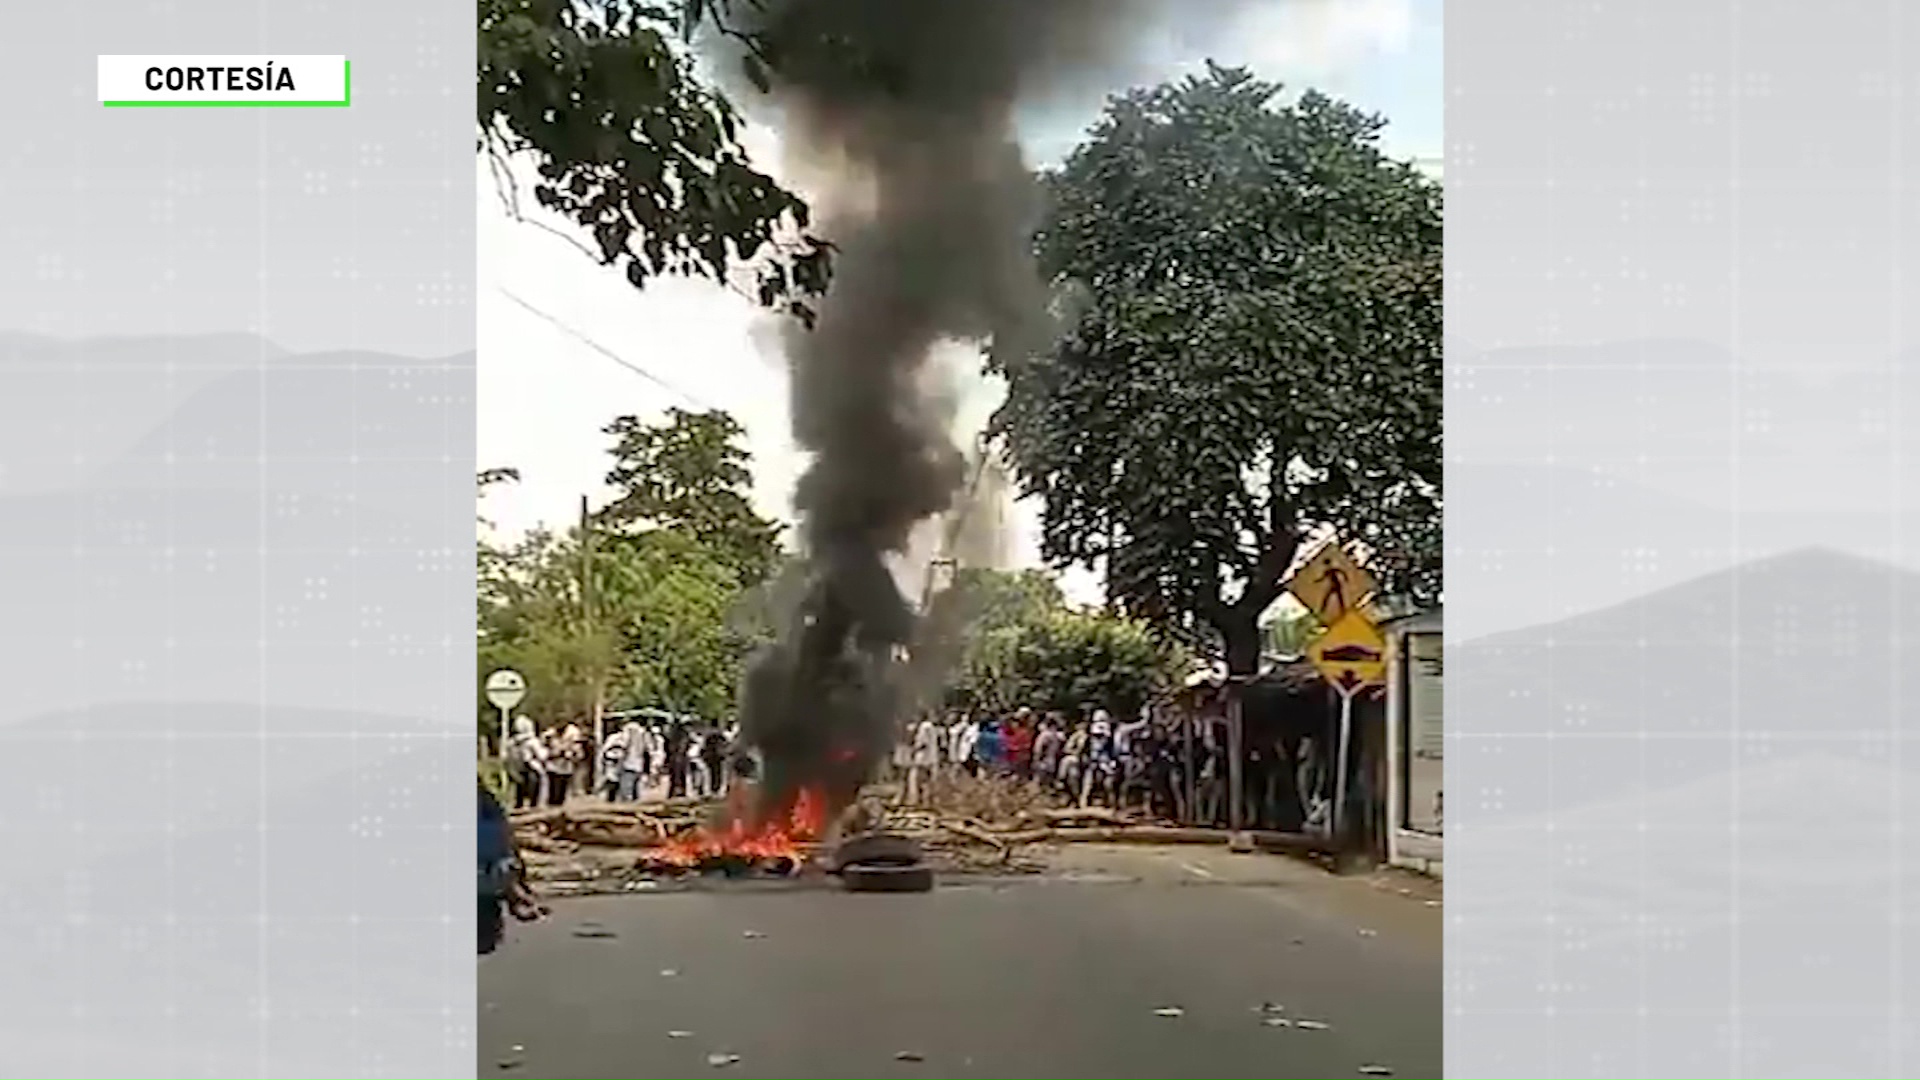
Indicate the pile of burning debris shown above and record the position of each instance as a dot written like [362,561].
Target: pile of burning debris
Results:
[966,826]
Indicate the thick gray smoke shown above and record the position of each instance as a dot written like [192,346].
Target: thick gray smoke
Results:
[911,118]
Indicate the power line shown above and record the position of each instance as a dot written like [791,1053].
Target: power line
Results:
[604,351]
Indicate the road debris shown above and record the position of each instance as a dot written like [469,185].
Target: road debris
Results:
[1369,933]
[751,934]
[677,1034]
[722,1061]
[1170,1011]
[1277,1022]
[1311,1025]
[668,973]
[995,825]
[909,1055]
[592,930]
[1375,1070]
[1269,1007]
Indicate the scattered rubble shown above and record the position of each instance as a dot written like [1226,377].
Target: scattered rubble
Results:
[970,825]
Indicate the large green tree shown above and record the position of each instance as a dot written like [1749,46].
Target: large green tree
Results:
[1065,659]
[637,609]
[1023,645]
[691,474]
[604,100]
[1253,354]
[624,622]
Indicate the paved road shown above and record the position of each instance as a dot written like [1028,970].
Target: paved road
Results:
[1053,977]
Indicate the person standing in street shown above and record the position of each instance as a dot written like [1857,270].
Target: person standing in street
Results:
[612,752]
[1019,744]
[926,758]
[526,764]
[1100,775]
[961,735]
[575,740]
[560,766]
[989,749]
[713,761]
[678,753]
[1073,760]
[696,763]
[1047,744]
[503,886]
[632,768]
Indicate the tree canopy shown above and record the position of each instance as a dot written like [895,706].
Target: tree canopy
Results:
[691,475]
[637,610]
[1252,355]
[605,99]
[1024,646]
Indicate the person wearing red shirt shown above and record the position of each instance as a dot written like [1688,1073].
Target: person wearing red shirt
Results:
[1020,744]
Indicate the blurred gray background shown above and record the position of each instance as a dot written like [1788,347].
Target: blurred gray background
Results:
[1681,548]
[236,548]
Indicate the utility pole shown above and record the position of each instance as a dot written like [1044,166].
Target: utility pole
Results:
[586,624]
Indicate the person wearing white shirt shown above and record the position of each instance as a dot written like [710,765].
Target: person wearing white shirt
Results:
[633,763]
[925,757]
[961,736]
[527,760]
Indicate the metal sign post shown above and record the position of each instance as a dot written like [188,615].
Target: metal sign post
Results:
[1236,745]
[1350,653]
[1343,750]
[506,689]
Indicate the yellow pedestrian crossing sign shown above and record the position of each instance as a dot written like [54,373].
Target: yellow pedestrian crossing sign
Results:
[1351,654]
[1331,583]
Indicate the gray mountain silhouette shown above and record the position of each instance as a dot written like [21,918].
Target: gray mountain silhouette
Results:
[1530,544]
[1776,888]
[284,531]
[1704,425]
[1794,650]
[142,837]
[69,406]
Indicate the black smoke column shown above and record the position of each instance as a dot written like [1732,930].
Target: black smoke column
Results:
[909,112]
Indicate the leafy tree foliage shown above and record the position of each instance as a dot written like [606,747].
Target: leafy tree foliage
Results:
[1025,646]
[1290,631]
[996,600]
[1254,353]
[691,475]
[649,630]
[638,610]
[604,98]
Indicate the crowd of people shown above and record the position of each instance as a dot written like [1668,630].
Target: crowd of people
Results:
[1170,765]
[686,758]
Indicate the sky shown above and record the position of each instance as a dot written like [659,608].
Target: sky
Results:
[567,345]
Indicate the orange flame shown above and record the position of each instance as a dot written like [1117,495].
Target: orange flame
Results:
[736,837]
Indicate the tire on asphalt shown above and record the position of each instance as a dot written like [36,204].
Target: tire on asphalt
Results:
[868,877]
[876,849]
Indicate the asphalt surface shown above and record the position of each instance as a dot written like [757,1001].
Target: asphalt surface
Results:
[1063,976]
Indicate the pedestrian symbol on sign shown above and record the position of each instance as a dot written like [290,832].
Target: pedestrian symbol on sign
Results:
[1331,584]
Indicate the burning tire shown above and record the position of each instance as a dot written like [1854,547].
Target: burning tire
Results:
[876,849]
[914,877]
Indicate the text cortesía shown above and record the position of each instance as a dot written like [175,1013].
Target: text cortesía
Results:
[196,79]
